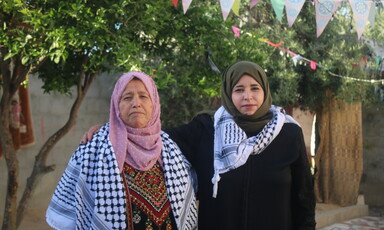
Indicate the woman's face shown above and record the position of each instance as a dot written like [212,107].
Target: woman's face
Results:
[135,105]
[247,95]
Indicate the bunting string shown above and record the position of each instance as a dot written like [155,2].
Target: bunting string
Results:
[312,63]
[295,58]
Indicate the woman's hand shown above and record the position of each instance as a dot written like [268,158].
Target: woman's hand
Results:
[88,135]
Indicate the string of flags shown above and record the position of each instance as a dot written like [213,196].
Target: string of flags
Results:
[313,65]
[364,11]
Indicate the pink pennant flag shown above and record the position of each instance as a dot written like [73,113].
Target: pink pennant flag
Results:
[226,6]
[324,11]
[292,9]
[360,10]
[313,65]
[186,4]
[254,2]
[175,2]
[236,31]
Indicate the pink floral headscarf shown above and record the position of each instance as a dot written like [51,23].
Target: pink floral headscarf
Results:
[139,147]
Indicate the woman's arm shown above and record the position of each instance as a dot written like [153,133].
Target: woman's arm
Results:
[188,136]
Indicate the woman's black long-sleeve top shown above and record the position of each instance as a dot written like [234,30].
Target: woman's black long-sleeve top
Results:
[271,191]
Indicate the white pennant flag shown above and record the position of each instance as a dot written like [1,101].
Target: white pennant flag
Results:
[296,59]
[324,11]
[360,10]
[293,8]
[186,4]
[226,6]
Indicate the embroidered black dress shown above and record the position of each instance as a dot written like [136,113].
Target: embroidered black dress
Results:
[148,199]
[271,191]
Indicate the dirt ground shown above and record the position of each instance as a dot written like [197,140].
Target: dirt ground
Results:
[35,219]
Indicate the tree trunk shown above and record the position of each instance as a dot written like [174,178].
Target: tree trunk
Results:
[40,168]
[339,158]
[9,86]
[9,221]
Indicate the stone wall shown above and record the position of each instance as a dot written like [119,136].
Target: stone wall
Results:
[372,183]
[49,113]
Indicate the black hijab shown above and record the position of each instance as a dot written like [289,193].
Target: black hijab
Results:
[230,76]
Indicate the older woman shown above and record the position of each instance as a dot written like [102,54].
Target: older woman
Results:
[130,175]
[250,159]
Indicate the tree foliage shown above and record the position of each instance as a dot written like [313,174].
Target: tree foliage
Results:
[337,53]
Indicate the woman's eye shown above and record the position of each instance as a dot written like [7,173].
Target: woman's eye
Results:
[238,90]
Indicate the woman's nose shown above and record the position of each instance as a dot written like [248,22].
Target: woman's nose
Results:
[247,95]
[135,102]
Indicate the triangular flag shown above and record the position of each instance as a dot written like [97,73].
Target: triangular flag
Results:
[186,4]
[360,10]
[254,2]
[273,44]
[378,60]
[175,2]
[293,8]
[313,65]
[278,7]
[296,58]
[236,31]
[324,11]
[372,15]
[236,7]
[226,6]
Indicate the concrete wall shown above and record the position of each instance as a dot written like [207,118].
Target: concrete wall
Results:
[50,112]
[372,184]
[305,119]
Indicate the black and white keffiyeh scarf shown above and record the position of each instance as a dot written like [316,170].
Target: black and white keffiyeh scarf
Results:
[91,195]
[231,145]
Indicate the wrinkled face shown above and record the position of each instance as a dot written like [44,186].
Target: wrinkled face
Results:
[135,105]
[247,95]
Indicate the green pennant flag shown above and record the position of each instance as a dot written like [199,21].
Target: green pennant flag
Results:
[278,7]
[378,59]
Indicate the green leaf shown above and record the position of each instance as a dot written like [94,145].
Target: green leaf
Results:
[24,60]
[8,56]
[57,59]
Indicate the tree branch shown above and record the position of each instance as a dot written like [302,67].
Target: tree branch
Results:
[40,168]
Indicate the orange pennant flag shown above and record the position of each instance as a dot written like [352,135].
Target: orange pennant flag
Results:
[273,44]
